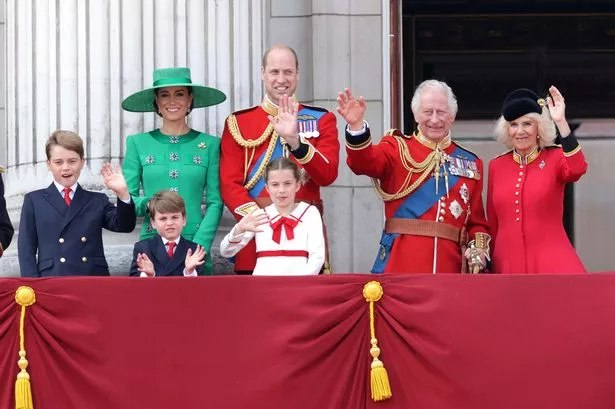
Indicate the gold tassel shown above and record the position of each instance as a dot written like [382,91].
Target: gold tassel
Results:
[380,386]
[25,297]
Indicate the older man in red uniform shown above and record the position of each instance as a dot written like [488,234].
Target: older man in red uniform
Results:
[431,186]
[279,126]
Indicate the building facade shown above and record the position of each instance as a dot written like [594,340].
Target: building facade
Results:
[67,64]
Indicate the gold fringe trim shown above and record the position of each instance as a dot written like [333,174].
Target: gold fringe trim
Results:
[25,297]
[379,379]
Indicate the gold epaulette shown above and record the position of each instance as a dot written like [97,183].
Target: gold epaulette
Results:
[456,142]
[314,107]
[396,132]
[503,153]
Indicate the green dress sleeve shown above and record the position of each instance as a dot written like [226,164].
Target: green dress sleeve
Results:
[213,201]
[133,172]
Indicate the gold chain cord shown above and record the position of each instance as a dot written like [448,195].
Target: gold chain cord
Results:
[425,167]
[234,130]
[264,163]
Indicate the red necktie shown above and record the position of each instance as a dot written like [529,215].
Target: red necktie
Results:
[283,222]
[171,245]
[67,191]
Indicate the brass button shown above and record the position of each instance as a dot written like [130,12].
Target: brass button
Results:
[62,260]
[516,202]
[441,218]
[84,239]
[84,259]
[517,211]
[442,211]
[520,173]
[519,180]
[61,240]
[517,185]
[516,193]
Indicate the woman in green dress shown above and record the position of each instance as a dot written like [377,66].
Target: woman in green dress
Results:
[174,156]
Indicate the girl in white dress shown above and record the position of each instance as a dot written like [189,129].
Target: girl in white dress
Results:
[289,236]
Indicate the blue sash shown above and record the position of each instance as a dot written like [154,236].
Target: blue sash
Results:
[260,185]
[305,116]
[415,205]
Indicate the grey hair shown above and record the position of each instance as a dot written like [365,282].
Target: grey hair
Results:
[433,84]
[546,129]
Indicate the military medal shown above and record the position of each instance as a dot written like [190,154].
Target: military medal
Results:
[463,167]
[308,126]
[542,164]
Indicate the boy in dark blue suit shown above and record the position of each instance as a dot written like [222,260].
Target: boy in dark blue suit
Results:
[167,253]
[63,223]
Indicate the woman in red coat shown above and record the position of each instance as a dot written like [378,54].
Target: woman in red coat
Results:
[525,198]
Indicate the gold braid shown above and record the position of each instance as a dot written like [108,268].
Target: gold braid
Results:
[264,163]
[425,168]
[234,130]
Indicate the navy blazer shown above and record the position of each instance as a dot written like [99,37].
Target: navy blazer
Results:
[157,253]
[68,238]
[6,228]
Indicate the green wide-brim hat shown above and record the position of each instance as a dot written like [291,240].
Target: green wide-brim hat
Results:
[143,101]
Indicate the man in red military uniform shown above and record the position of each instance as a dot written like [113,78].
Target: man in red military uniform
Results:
[431,186]
[279,126]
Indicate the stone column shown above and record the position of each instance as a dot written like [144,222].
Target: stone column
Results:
[70,63]
[340,44]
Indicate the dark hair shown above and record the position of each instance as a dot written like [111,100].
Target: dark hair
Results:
[67,139]
[280,164]
[279,47]
[166,201]
[156,105]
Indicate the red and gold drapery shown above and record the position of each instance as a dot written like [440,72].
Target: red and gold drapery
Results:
[448,342]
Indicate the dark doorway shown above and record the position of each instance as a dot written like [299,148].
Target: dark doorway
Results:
[485,48]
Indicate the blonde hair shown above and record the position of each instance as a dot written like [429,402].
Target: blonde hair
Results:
[546,129]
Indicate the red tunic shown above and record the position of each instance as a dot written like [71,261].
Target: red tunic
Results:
[317,155]
[525,205]
[462,206]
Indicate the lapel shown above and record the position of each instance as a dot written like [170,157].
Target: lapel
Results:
[159,253]
[54,198]
[178,258]
[80,199]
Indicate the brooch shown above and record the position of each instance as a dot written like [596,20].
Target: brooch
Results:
[201,145]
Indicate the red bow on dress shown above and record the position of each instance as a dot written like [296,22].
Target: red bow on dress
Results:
[288,224]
